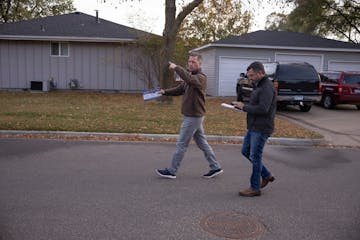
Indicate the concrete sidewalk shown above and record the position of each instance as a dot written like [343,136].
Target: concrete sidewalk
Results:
[340,127]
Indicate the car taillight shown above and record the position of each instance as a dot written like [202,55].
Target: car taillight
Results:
[276,85]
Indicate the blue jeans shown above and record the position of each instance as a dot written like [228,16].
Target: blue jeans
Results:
[192,127]
[252,149]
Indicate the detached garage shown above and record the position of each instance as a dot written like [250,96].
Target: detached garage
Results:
[225,59]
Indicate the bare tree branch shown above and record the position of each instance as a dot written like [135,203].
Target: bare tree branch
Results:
[345,17]
[343,33]
[186,11]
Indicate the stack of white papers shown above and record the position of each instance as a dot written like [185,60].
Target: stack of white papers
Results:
[230,106]
[151,94]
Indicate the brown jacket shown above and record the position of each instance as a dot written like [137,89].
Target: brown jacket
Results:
[193,91]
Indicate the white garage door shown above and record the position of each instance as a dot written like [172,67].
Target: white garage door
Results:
[315,60]
[229,71]
[343,66]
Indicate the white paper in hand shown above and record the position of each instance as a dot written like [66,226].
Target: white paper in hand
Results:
[230,106]
[152,94]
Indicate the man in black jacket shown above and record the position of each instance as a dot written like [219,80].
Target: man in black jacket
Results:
[260,125]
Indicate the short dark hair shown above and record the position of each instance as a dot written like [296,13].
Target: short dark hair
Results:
[196,54]
[256,67]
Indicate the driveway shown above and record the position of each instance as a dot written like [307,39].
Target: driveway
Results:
[75,190]
[339,126]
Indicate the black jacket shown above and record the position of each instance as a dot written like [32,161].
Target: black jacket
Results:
[261,107]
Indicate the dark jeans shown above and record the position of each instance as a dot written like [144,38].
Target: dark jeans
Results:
[252,149]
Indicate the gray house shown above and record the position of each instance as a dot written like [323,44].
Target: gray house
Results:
[73,50]
[225,59]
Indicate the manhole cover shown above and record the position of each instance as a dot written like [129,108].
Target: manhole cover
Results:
[232,225]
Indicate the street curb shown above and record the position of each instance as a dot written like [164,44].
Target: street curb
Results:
[271,140]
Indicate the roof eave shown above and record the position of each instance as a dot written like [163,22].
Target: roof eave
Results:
[277,47]
[65,38]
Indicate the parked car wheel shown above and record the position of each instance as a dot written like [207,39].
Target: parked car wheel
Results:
[328,102]
[358,107]
[305,107]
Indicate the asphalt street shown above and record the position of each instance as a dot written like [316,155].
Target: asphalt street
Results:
[56,189]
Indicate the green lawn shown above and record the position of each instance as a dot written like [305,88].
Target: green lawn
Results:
[119,113]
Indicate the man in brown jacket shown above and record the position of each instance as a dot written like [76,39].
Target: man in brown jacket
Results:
[193,110]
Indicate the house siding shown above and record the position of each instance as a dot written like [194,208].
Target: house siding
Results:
[97,66]
[209,69]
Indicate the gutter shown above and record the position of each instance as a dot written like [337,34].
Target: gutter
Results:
[65,38]
[275,47]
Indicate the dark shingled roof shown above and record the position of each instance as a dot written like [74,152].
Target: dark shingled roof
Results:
[73,25]
[284,39]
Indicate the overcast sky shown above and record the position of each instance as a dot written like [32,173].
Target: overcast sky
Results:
[147,15]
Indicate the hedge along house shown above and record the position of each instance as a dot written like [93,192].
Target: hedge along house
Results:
[225,59]
[72,51]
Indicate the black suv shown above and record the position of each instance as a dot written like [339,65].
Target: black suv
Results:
[295,83]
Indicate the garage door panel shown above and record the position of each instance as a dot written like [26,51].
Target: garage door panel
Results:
[315,60]
[229,72]
[343,66]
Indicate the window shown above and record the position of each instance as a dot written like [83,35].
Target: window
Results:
[352,79]
[297,73]
[60,49]
[330,77]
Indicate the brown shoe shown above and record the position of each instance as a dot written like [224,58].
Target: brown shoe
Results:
[265,181]
[250,193]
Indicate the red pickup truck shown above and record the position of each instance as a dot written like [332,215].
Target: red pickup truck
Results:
[340,88]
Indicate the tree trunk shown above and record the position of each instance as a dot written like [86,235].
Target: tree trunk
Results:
[169,39]
[172,26]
